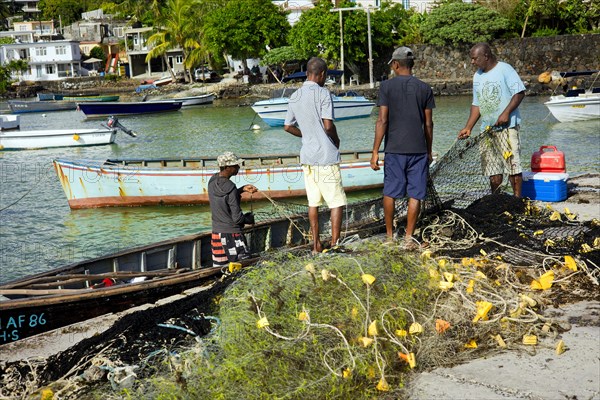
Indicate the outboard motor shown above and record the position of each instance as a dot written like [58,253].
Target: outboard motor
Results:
[114,123]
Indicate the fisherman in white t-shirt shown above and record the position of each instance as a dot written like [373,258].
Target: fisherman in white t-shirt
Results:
[497,94]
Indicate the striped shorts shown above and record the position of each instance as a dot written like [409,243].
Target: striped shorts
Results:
[228,247]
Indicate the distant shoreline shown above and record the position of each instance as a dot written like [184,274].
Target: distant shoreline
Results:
[231,88]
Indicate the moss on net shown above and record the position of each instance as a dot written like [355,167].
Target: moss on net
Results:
[320,339]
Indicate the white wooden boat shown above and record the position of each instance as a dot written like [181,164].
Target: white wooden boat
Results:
[195,100]
[37,139]
[107,183]
[576,104]
[346,106]
[28,106]
[163,80]
[9,121]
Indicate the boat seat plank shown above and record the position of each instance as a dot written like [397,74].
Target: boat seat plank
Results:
[37,292]
[70,278]
[98,278]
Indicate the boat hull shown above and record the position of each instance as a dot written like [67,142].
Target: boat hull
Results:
[20,140]
[196,100]
[90,184]
[102,109]
[572,109]
[21,107]
[273,111]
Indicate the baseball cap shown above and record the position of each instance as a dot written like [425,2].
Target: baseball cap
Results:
[229,159]
[402,53]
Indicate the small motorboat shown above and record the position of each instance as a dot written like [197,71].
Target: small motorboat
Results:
[346,106]
[39,139]
[9,121]
[577,104]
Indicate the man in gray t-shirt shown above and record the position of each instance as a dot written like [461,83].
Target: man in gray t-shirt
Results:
[310,117]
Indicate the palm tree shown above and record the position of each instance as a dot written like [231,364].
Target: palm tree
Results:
[140,10]
[19,66]
[4,14]
[179,29]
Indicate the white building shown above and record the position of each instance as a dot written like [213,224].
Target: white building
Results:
[47,60]
[294,7]
[417,5]
[42,30]
[297,7]
[19,37]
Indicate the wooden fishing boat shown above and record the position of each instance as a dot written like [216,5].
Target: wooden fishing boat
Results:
[39,139]
[196,100]
[26,106]
[91,98]
[138,182]
[115,282]
[163,80]
[76,97]
[102,109]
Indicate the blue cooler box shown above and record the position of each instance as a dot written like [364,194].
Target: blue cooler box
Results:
[545,186]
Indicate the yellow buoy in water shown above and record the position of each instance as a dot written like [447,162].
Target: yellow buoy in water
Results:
[75,137]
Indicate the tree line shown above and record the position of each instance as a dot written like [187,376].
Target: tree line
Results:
[207,30]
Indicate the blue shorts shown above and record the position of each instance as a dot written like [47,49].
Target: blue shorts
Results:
[405,174]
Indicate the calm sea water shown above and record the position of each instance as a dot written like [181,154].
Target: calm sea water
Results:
[38,231]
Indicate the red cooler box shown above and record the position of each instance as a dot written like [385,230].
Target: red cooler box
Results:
[545,186]
[548,159]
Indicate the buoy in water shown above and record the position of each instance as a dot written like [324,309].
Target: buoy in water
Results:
[255,127]
[43,115]
[76,137]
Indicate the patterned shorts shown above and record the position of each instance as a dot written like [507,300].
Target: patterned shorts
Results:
[228,247]
[500,153]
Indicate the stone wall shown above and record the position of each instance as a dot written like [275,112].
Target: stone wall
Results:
[449,71]
[529,56]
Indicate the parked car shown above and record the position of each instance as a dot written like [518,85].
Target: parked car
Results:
[203,74]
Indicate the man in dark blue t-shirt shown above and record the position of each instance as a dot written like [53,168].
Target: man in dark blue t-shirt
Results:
[405,122]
